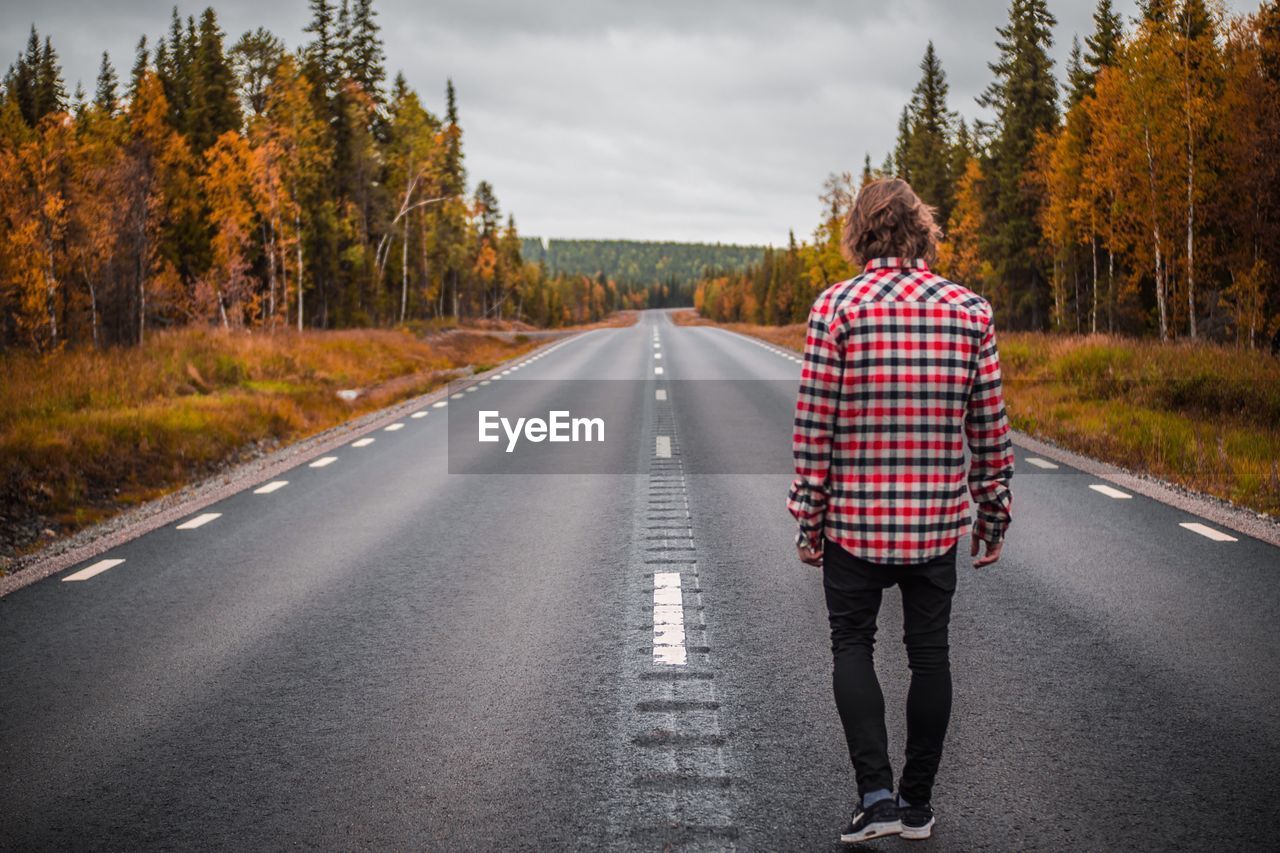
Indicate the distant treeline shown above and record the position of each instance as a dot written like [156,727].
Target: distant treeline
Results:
[1140,194]
[676,267]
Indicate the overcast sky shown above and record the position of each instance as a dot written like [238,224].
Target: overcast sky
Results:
[711,120]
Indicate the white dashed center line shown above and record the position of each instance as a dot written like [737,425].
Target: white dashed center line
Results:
[661,394]
[416,415]
[663,448]
[1207,532]
[96,569]
[273,486]
[199,521]
[1040,463]
[363,442]
[657,371]
[668,620]
[323,461]
[394,427]
[440,404]
[1110,492]
[457,396]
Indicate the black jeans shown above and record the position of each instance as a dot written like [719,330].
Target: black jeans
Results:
[853,589]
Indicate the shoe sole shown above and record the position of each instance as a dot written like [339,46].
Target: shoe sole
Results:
[918,833]
[872,830]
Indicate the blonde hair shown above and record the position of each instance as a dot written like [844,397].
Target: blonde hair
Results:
[888,220]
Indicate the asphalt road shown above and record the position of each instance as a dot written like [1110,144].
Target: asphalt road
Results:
[382,654]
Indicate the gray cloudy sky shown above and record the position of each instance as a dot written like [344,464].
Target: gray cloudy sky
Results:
[687,120]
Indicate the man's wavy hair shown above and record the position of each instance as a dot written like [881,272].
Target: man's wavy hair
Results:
[888,220]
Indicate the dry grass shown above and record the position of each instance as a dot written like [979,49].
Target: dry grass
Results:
[1204,416]
[85,433]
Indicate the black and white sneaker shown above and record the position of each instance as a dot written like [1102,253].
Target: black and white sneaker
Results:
[879,820]
[917,821]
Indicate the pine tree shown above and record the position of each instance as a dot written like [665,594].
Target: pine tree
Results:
[364,50]
[20,82]
[1078,78]
[213,87]
[1104,44]
[928,160]
[50,94]
[105,97]
[1024,99]
[254,59]
[901,163]
[173,67]
[141,63]
[323,52]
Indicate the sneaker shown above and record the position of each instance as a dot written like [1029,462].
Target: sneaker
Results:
[879,820]
[917,821]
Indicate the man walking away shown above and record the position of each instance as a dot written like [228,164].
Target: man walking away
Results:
[900,368]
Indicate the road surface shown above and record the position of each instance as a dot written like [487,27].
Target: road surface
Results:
[383,655]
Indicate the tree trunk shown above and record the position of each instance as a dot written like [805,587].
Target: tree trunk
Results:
[404,271]
[1191,179]
[297,227]
[1093,308]
[1155,234]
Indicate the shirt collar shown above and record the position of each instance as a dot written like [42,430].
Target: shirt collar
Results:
[896,264]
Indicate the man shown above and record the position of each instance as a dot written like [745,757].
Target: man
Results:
[900,367]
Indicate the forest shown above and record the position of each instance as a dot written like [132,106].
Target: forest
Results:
[1139,195]
[245,185]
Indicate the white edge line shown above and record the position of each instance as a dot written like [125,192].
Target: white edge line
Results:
[199,521]
[95,569]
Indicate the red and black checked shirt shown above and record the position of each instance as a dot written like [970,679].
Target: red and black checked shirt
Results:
[900,367]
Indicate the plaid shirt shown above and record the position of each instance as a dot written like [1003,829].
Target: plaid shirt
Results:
[900,366]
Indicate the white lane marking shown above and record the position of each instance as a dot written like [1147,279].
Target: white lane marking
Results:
[658,356]
[1110,492]
[96,569]
[273,486]
[662,395]
[457,396]
[364,442]
[471,388]
[440,405]
[657,345]
[663,449]
[657,371]
[1041,463]
[199,521]
[1206,531]
[484,381]
[417,415]
[668,620]
[323,461]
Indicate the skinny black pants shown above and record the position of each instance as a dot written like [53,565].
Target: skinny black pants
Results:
[853,590]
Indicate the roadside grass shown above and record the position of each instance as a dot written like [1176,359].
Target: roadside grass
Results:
[1201,415]
[85,433]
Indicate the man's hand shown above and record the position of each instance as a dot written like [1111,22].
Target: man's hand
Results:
[993,552]
[813,558]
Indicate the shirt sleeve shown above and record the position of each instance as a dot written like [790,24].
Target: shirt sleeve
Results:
[986,426]
[816,407]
